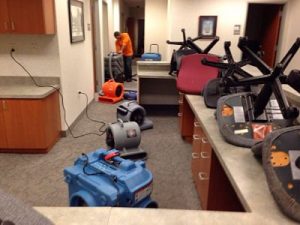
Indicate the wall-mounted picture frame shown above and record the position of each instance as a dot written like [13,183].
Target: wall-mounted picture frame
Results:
[207,27]
[76,21]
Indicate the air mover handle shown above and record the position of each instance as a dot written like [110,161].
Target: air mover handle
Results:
[111,155]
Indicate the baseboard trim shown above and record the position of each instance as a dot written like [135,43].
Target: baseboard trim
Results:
[65,133]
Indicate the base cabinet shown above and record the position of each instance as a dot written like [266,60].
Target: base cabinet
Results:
[29,125]
[211,182]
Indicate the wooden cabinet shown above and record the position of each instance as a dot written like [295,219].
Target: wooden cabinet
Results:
[4,20]
[3,139]
[27,17]
[29,125]
[180,108]
[211,182]
[186,120]
[201,164]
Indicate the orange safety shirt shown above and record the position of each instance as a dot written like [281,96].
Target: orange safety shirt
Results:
[126,42]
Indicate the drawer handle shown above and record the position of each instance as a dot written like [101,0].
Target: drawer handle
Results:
[4,106]
[204,155]
[13,25]
[196,124]
[203,176]
[204,140]
[179,114]
[196,137]
[195,155]
[5,25]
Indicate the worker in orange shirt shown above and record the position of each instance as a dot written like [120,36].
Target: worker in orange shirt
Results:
[124,47]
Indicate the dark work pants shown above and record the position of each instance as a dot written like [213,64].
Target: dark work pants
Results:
[127,67]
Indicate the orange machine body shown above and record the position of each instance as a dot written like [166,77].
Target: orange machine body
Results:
[113,92]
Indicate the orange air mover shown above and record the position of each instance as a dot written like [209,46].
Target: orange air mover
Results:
[113,92]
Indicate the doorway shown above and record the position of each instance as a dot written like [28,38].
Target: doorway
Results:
[97,62]
[262,29]
[99,51]
[133,14]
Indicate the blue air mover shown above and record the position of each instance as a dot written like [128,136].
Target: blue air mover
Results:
[102,178]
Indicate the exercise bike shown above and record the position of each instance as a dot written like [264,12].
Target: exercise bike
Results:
[246,118]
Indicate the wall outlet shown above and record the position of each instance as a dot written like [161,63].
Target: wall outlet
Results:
[12,45]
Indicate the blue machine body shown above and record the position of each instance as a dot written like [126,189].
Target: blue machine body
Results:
[114,182]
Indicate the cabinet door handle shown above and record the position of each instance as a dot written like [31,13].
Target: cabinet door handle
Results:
[204,140]
[203,176]
[204,155]
[180,101]
[195,155]
[4,106]
[179,114]
[5,25]
[13,25]
[196,137]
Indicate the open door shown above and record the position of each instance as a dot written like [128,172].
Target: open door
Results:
[96,44]
[262,29]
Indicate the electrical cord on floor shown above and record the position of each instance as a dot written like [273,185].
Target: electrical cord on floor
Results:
[62,102]
[103,124]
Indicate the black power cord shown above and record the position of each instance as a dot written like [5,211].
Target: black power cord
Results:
[62,102]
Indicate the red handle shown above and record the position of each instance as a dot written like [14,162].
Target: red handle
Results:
[111,155]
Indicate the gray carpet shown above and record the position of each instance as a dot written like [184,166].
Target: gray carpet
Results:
[38,179]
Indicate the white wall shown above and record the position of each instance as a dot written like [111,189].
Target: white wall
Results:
[156,25]
[229,13]
[185,14]
[38,53]
[76,62]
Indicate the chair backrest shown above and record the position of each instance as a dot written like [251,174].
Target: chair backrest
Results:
[193,75]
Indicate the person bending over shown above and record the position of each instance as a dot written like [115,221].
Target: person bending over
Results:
[124,47]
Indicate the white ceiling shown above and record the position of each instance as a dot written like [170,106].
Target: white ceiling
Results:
[134,3]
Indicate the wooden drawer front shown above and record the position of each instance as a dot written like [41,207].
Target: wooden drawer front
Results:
[197,138]
[201,163]
[202,186]
[205,155]
[180,110]
[187,120]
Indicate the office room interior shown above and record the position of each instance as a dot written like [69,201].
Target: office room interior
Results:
[204,131]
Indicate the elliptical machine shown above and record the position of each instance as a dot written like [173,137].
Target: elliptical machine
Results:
[187,47]
[246,118]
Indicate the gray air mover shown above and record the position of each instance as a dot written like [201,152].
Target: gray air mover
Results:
[126,137]
[131,111]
